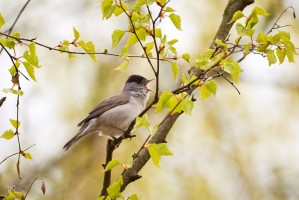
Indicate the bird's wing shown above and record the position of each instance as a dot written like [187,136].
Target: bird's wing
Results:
[106,105]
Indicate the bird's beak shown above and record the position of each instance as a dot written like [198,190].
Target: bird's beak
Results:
[147,81]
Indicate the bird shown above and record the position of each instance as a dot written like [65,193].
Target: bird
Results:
[112,116]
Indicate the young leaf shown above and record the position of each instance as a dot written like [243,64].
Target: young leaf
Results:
[158,33]
[186,56]
[76,33]
[290,51]
[111,164]
[281,54]
[204,92]
[176,20]
[1,20]
[114,189]
[131,40]
[116,37]
[241,30]
[104,4]
[15,123]
[123,66]
[133,197]
[149,46]
[271,57]
[212,87]
[32,49]
[260,11]
[187,106]
[233,68]
[163,100]
[10,196]
[30,70]
[7,134]
[141,121]
[175,70]
[246,48]
[19,195]
[109,10]
[18,92]
[237,15]
[156,151]
[88,47]
[124,53]
[27,155]
[169,9]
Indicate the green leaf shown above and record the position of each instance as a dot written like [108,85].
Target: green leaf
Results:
[123,66]
[253,20]
[233,68]
[262,38]
[208,53]
[131,40]
[271,57]
[175,70]
[111,164]
[176,20]
[116,37]
[186,56]
[241,30]
[30,70]
[281,54]
[204,92]
[164,100]
[88,47]
[1,20]
[14,123]
[114,189]
[141,33]
[32,49]
[149,46]
[156,151]
[11,196]
[32,59]
[169,9]
[141,121]
[19,195]
[153,129]
[103,5]
[158,33]
[17,92]
[12,70]
[211,86]
[290,51]
[17,35]
[246,48]
[133,197]
[27,156]
[124,53]
[8,134]
[109,10]
[237,15]
[119,10]
[76,33]
[187,105]
[260,11]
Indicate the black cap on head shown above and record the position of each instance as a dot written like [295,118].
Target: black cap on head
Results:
[136,78]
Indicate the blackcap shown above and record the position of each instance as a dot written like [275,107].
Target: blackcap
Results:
[112,116]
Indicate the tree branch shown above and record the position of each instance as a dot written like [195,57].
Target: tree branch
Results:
[231,8]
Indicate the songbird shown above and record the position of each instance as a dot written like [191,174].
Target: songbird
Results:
[112,116]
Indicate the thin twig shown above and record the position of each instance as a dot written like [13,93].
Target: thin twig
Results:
[15,154]
[14,23]
[31,186]
[275,23]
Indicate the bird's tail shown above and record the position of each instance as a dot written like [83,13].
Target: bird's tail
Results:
[75,139]
[71,142]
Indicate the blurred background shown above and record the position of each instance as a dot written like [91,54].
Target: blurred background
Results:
[232,147]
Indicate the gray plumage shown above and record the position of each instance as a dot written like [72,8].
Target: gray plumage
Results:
[112,116]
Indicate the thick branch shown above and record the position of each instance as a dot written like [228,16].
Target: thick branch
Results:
[131,174]
[231,8]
